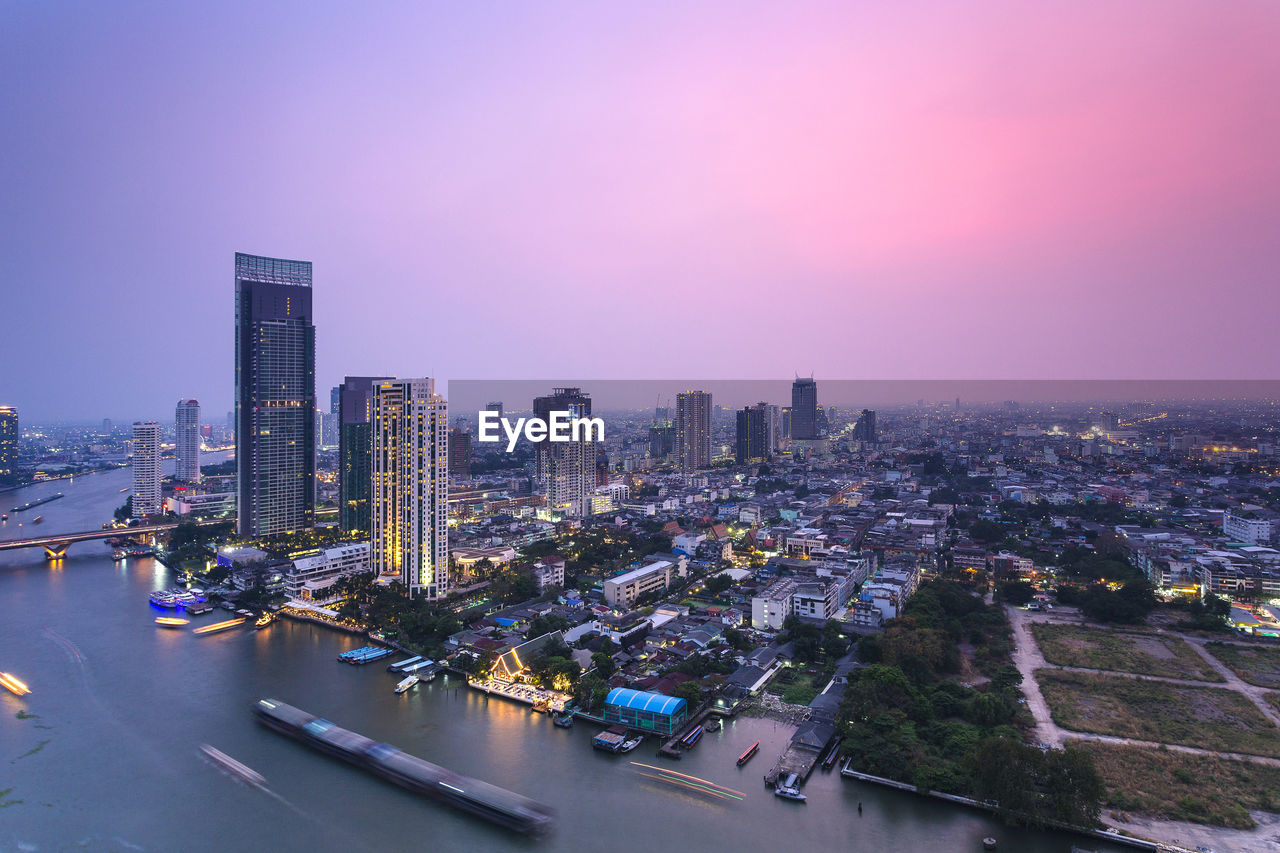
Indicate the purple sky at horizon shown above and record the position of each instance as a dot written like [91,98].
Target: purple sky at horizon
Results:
[915,190]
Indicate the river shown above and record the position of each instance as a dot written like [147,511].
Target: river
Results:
[103,754]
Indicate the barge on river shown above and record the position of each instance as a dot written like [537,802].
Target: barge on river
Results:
[500,806]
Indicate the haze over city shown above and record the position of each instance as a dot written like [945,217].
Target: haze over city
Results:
[733,190]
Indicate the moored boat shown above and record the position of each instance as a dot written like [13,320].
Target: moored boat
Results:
[789,789]
[630,743]
[564,721]
[407,683]
[751,751]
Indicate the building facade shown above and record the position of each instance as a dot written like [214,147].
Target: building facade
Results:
[410,486]
[752,436]
[186,418]
[8,440]
[804,409]
[355,450]
[146,469]
[275,396]
[625,589]
[693,430]
[459,454]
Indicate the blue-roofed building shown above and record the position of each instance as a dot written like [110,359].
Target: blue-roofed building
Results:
[649,712]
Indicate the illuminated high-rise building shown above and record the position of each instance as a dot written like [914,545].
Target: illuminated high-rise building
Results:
[186,418]
[275,396]
[409,493]
[146,469]
[8,440]
[693,430]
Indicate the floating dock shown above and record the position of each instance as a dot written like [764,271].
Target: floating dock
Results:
[497,805]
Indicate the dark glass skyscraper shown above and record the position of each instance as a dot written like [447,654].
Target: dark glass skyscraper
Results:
[275,396]
[752,444]
[693,430]
[804,409]
[355,449]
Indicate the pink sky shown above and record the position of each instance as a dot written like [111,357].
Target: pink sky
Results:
[908,190]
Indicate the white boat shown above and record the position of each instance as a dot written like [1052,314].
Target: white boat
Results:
[630,744]
[407,683]
[789,789]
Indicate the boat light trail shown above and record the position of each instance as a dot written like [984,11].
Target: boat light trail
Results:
[219,626]
[692,782]
[14,685]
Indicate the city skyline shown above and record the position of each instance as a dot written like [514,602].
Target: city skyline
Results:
[1054,190]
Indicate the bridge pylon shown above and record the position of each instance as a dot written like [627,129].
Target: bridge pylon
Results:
[56,550]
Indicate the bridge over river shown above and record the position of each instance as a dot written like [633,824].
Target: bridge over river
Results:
[56,544]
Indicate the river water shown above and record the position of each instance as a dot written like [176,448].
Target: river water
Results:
[103,755]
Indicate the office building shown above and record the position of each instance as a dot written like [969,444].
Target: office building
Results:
[496,407]
[355,450]
[146,469]
[662,440]
[571,400]
[804,409]
[459,454]
[865,428]
[624,590]
[408,502]
[275,396]
[752,437]
[186,418]
[8,440]
[693,430]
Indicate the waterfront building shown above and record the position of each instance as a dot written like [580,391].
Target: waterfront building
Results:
[275,396]
[186,419]
[804,409]
[146,468]
[648,712]
[693,430]
[8,440]
[311,577]
[409,492]
[355,450]
[625,589]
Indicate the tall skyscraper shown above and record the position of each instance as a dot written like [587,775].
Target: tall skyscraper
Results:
[752,438]
[355,450]
[572,400]
[8,440]
[772,426]
[804,409]
[565,470]
[275,396]
[335,400]
[460,454]
[693,430]
[410,488]
[865,428]
[146,468]
[495,406]
[186,418]
[662,440]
